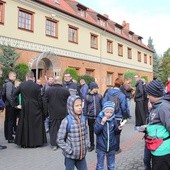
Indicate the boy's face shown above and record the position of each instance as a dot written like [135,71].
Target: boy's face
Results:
[95,90]
[78,107]
[108,113]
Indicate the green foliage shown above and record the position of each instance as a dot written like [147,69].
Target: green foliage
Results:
[73,73]
[5,72]
[165,66]
[21,70]
[145,77]
[88,79]
[8,56]
[130,75]
[156,60]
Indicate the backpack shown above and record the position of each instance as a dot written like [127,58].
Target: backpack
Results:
[69,119]
[115,99]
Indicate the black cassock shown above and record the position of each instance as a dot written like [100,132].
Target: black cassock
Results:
[30,131]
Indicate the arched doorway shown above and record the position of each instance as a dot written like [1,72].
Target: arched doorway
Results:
[47,63]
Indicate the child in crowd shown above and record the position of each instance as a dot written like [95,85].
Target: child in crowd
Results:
[105,129]
[74,141]
[92,107]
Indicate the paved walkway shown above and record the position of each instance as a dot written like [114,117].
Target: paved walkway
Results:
[16,158]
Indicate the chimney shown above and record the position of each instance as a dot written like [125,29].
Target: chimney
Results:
[125,25]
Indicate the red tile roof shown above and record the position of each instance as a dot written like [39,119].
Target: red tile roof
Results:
[70,7]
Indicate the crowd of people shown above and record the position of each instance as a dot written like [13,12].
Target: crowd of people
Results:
[73,114]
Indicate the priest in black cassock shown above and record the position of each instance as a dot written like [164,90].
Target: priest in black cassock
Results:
[30,131]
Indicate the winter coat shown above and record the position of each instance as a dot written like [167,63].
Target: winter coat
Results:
[123,111]
[55,101]
[92,105]
[105,134]
[76,140]
[72,87]
[9,90]
[159,124]
[84,90]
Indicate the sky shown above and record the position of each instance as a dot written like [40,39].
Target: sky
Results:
[147,18]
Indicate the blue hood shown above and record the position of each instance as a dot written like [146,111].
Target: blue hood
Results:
[114,91]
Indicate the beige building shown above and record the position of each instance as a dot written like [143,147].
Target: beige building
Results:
[51,35]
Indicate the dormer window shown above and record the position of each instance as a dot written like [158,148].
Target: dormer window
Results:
[81,10]
[101,22]
[118,28]
[131,35]
[139,40]
[56,2]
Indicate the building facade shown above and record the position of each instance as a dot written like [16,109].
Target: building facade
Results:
[52,35]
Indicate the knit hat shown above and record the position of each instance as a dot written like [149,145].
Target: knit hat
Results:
[155,88]
[93,85]
[108,106]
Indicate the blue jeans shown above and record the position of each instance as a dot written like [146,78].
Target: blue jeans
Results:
[147,158]
[79,164]
[110,156]
[129,104]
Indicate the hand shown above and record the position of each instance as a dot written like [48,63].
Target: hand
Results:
[120,127]
[104,120]
[19,107]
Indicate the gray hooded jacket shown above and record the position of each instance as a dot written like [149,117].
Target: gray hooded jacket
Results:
[70,142]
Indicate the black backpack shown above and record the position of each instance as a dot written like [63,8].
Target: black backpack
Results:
[115,99]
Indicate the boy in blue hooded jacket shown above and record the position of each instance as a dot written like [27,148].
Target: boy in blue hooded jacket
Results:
[105,129]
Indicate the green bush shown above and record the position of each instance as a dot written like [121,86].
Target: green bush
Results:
[88,79]
[21,70]
[130,75]
[145,77]
[73,73]
[5,72]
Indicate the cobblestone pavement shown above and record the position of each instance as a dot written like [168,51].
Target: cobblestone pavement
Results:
[16,158]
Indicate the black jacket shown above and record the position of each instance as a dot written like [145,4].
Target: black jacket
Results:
[55,101]
[139,93]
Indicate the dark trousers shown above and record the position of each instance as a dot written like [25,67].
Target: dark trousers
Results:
[9,122]
[161,162]
[16,116]
[140,115]
[79,164]
[118,137]
[147,158]
[91,130]
[54,127]
[110,157]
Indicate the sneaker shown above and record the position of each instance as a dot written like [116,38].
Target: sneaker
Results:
[11,141]
[90,149]
[117,152]
[2,147]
